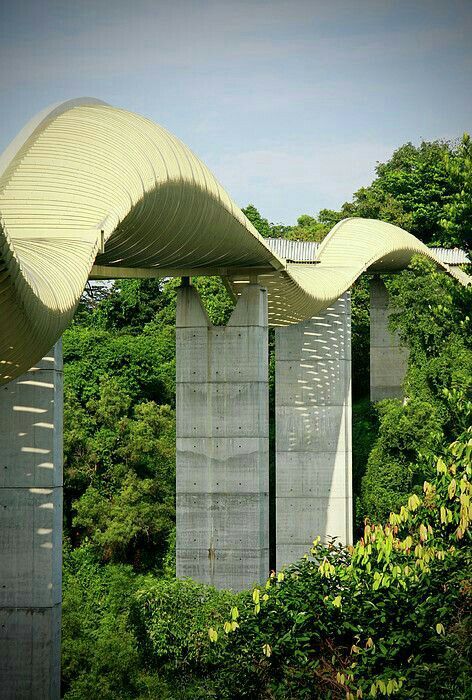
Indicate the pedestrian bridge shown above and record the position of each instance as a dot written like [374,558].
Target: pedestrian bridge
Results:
[88,191]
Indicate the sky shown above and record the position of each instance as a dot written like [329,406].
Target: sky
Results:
[289,103]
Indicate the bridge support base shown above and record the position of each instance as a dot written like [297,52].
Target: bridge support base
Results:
[388,357]
[313,431]
[31,532]
[222,442]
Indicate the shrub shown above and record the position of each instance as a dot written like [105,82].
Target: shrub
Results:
[389,616]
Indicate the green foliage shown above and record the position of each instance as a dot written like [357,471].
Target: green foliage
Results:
[308,228]
[134,524]
[389,616]
[364,435]
[432,319]
[259,222]
[457,221]
[218,303]
[169,630]
[144,365]
[131,304]
[120,466]
[100,652]
[425,189]
[392,467]
[360,338]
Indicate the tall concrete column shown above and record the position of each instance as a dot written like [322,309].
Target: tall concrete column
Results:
[388,357]
[222,442]
[313,431]
[31,532]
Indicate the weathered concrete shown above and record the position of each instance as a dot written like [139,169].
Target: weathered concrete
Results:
[388,357]
[31,532]
[222,442]
[313,431]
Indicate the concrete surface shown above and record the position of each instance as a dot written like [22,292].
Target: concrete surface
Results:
[313,432]
[222,442]
[31,532]
[388,357]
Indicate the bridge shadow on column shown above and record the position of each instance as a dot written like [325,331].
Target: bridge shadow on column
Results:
[313,431]
[31,532]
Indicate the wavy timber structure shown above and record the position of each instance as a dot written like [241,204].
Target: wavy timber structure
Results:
[88,190]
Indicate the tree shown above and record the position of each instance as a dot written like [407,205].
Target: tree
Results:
[308,228]
[425,189]
[259,222]
[457,222]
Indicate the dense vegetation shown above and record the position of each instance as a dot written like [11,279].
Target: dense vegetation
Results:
[395,606]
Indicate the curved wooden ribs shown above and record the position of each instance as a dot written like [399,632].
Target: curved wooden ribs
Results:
[87,184]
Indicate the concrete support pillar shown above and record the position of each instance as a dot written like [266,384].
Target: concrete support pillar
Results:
[388,357]
[31,532]
[222,442]
[313,431]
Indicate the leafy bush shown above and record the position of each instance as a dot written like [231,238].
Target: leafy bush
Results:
[389,616]
[100,654]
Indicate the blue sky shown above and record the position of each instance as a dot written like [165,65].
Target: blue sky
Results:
[290,104]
